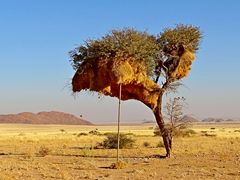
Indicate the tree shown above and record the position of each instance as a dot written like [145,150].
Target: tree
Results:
[174,114]
[144,65]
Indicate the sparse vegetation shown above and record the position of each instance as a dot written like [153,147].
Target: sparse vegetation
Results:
[62,131]
[210,135]
[146,144]
[77,158]
[94,132]
[82,134]
[43,151]
[111,141]
[184,133]
[87,151]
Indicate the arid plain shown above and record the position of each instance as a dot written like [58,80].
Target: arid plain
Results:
[67,152]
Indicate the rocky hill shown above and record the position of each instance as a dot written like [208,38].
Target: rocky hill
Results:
[189,118]
[52,117]
[186,118]
[218,120]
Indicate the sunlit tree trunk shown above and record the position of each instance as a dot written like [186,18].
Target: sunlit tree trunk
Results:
[166,135]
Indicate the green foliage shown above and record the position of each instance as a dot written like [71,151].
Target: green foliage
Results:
[119,44]
[111,141]
[187,35]
[140,47]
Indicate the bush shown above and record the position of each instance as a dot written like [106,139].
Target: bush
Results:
[184,133]
[94,132]
[111,141]
[209,135]
[146,144]
[43,151]
[82,134]
[176,132]
[62,130]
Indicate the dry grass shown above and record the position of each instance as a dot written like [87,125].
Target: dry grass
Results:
[69,156]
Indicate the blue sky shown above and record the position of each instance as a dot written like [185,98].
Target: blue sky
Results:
[36,36]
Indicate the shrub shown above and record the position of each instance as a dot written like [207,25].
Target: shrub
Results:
[184,133]
[82,134]
[94,132]
[146,144]
[178,132]
[62,130]
[209,135]
[43,151]
[111,141]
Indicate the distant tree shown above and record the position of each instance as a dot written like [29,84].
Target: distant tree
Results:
[144,65]
[175,115]
[62,130]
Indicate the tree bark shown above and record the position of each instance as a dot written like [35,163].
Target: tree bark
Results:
[166,135]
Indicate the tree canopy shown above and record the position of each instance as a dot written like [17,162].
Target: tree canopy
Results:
[137,60]
[141,47]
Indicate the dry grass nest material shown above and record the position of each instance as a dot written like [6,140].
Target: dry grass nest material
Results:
[184,65]
[118,165]
[104,76]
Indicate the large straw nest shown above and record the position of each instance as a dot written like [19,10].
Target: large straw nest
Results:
[105,76]
[184,65]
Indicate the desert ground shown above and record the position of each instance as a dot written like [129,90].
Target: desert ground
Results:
[67,152]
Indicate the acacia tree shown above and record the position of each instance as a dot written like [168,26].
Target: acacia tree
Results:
[174,114]
[144,65]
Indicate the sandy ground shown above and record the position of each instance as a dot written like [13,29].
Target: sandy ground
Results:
[70,156]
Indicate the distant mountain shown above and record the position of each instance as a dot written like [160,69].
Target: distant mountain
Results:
[52,117]
[185,118]
[148,121]
[217,120]
[189,118]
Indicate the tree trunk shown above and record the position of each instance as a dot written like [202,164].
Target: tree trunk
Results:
[166,135]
